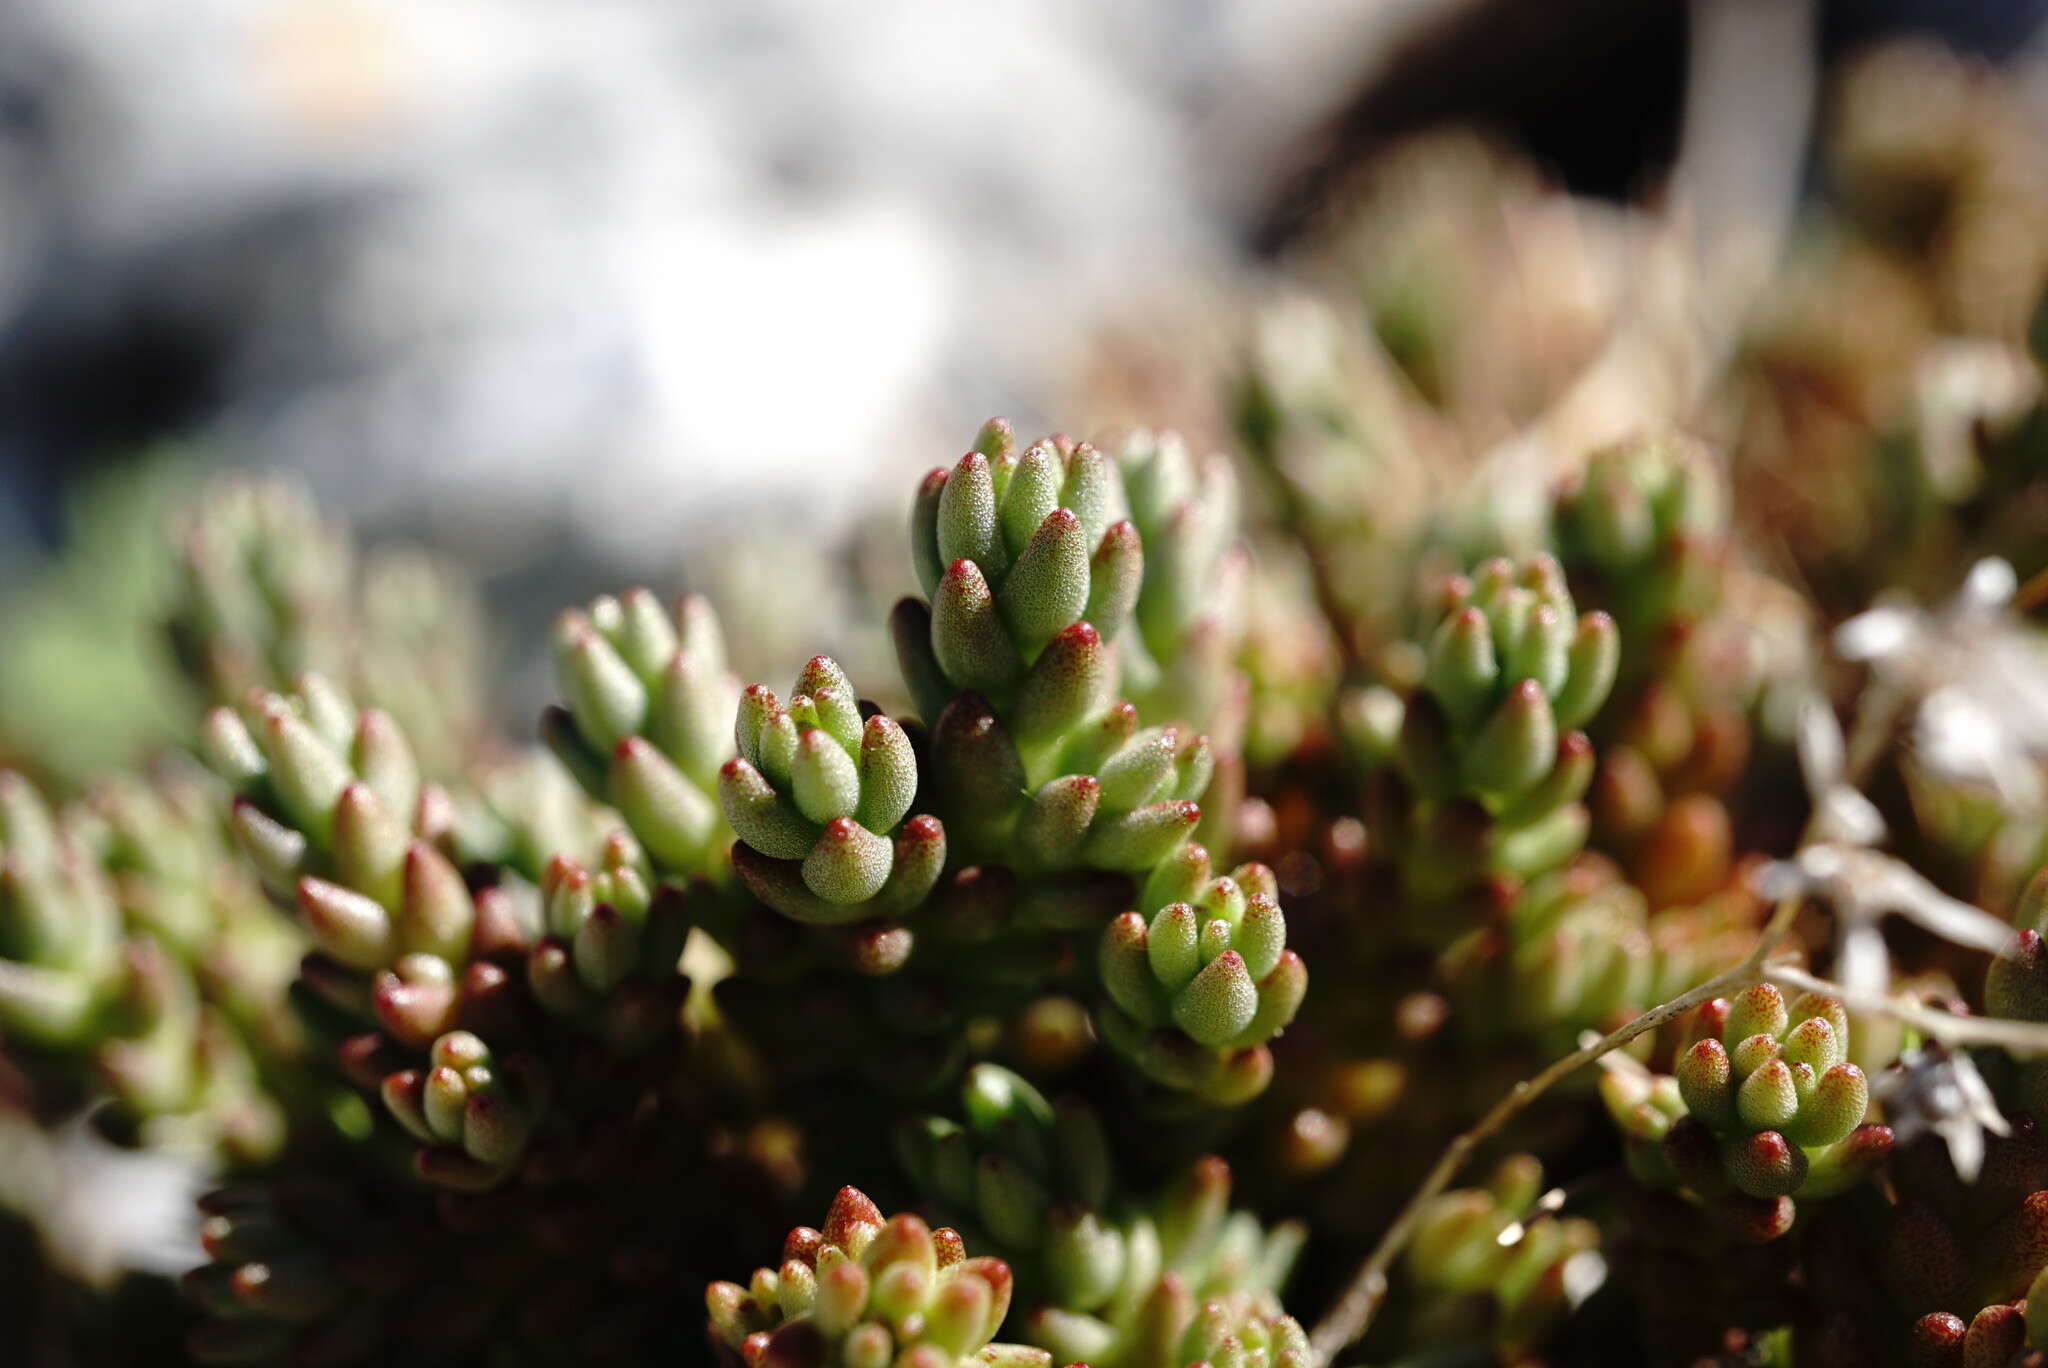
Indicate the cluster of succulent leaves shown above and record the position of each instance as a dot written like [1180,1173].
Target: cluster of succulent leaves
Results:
[1105,1275]
[489,1024]
[495,1048]
[268,589]
[1491,1266]
[133,946]
[867,1291]
[1504,949]
[1203,979]
[1645,533]
[494,1026]
[1764,1107]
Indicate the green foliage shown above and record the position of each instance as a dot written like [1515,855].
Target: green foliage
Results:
[333,814]
[129,941]
[865,1292]
[1492,1265]
[1197,988]
[267,589]
[1488,742]
[502,1046]
[1034,576]
[1764,1107]
[1578,949]
[63,925]
[1510,669]
[1103,1276]
[1647,520]
[86,684]
[646,724]
[819,795]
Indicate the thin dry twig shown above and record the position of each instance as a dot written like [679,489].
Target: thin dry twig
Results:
[2024,1038]
[1352,1314]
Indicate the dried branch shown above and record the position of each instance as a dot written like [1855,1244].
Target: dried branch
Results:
[1352,1314]
[2023,1038]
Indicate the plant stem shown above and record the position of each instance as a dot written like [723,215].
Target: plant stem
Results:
[2024,1038]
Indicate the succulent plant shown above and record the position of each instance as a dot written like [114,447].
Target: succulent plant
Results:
[360,1263]
[1290,661]
[977,856]
[1764,1107]
[498,1045]
[264,584]
[1493,1265]
[1190,614]
[1197,988]
[1032,578]
[1012,549]
[2016,986]
[519,811]
[63,923]
[1936,1270]
[267,590]
[1191,619]
[1577,949]
[1488,742]
[821,795]
[867,1292]
[1509,670]
[1645,524]
[1103,1277]
[1645,534]
[526,1043]
[405,946]
[648,719]
[113,955]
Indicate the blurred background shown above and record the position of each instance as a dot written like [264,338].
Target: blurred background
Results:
[584,294]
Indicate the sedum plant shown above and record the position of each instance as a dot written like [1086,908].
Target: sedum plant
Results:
[975,955]
[128,942]
[647,722]
[485,1050]
[1198,989]
[63,922]
[1105,1276]
[868,1291]
[267,589]
[1579,950]
[519,1046]
[406,947]
[1764,1107]
[819,795]
[1491,1265]
[975,855]
[1939,1270]
[1489,743]
[2016,986]
[1014,668]
[1645,533]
